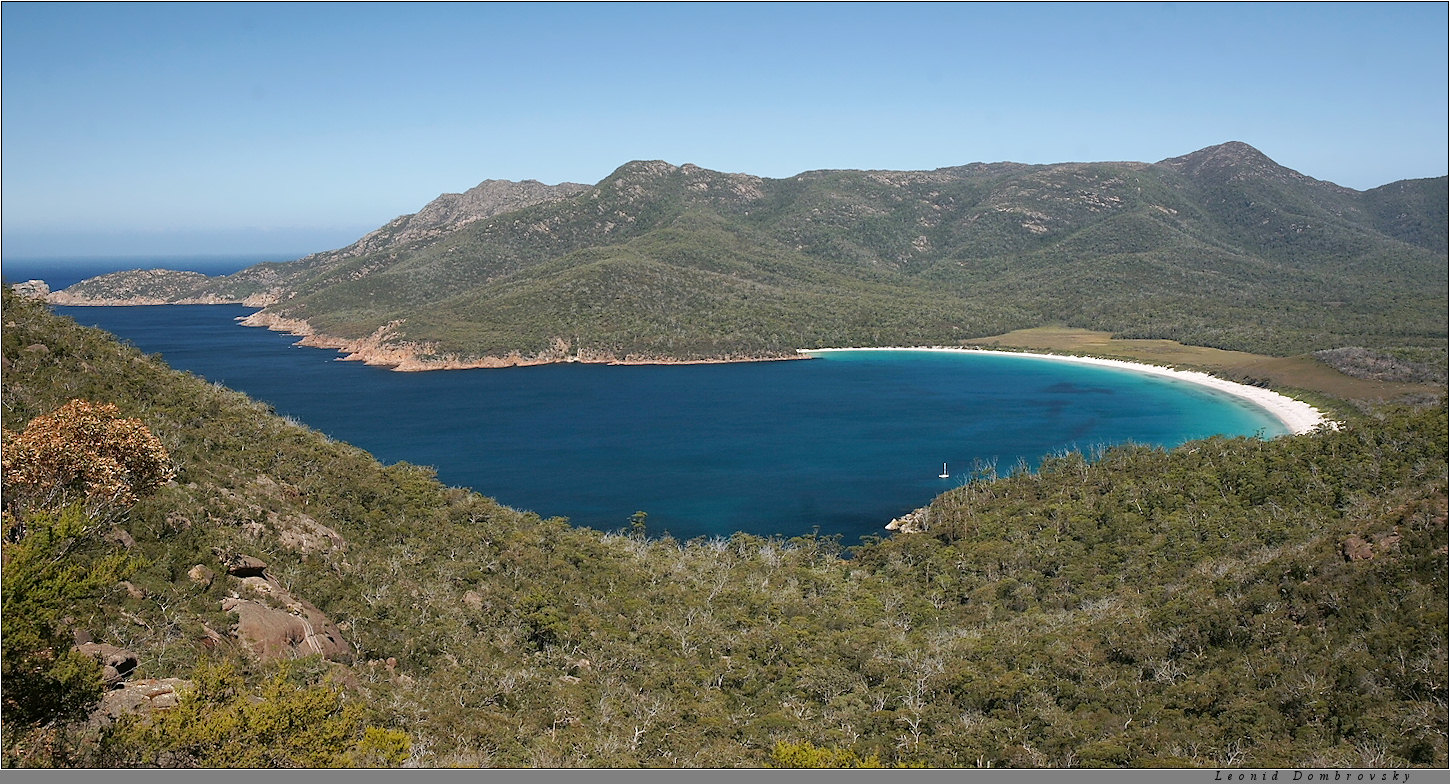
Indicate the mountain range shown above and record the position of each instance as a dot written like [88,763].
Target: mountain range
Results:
[1222,247]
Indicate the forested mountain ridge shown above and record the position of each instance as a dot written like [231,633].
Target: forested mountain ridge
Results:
[1221,247]
[1231,603]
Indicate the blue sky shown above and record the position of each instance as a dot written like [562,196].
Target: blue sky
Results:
[289,128]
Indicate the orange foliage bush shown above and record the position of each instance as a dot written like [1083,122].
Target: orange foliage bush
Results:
[82,451]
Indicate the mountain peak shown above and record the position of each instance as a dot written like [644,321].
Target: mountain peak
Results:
[644,169]
[1220,156]
[1236,161]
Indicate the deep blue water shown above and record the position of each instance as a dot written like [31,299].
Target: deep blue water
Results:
[845,443]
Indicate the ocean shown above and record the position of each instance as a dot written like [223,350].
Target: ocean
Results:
[836,445]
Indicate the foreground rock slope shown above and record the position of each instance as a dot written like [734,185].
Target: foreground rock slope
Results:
[1232,603]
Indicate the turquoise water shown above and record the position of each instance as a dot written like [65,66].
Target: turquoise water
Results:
[843,443]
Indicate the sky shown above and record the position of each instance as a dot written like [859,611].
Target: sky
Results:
[213,128]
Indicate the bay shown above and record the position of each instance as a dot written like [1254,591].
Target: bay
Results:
[836,445]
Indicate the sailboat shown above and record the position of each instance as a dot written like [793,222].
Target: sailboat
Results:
[943,474]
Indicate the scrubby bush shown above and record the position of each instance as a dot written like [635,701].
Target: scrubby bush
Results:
[83,451]
[283,723]
[65,478]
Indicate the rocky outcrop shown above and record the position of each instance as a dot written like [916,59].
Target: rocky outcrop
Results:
[275,633]
[1356,548]
[274,624]
[271,622]
[34,289]
[138,698]
[116,663]
[128,698]
[913,522]
[239,565]
[201,575]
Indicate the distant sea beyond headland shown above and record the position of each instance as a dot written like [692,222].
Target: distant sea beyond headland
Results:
[62,271]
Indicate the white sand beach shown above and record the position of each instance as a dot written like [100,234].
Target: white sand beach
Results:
[1296,415]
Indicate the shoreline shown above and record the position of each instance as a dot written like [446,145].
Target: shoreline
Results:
[381,349]
[1296,416]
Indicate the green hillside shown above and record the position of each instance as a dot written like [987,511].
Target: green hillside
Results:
[1231,603]
[1221,247]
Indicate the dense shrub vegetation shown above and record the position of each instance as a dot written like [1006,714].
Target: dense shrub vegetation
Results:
[1385,366]
[1231,602]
